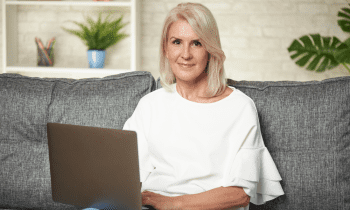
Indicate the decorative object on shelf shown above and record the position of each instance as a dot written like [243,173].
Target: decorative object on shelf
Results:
[331,49]
[45,55]
[98,36]
[96,58]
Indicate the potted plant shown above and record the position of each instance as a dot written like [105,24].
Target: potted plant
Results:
[98,36]
[331,49]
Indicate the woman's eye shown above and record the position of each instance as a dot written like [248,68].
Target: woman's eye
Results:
[197,44]
[176,42]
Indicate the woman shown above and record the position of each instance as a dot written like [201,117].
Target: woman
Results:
[200,145]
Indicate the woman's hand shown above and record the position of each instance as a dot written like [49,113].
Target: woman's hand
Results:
[160,202]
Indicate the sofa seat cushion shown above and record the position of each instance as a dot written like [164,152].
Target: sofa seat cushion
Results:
[25,176]
[306,128]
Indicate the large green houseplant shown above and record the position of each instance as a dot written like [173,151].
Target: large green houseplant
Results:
[311,49]
[98,36]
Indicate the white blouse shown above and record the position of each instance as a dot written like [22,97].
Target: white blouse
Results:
[188,148]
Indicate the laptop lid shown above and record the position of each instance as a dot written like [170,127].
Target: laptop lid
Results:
[91,164]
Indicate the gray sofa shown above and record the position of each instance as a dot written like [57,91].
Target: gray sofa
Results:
[305,126]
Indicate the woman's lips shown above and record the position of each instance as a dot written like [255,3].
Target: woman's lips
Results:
[186,65]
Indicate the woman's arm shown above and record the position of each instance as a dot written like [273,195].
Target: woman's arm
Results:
[218,198]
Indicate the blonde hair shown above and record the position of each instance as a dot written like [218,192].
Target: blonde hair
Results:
[204,25]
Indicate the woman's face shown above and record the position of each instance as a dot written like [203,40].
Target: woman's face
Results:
[187,57]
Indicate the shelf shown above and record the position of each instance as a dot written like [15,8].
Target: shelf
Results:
[74,73]
[70,3]
[10,48]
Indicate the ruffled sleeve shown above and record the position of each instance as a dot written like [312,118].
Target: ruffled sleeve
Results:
[137,123]
[252,166]
[255,171]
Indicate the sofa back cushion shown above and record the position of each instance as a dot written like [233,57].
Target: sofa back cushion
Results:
[107,102]
[28,104]
[23,107]
[306,128]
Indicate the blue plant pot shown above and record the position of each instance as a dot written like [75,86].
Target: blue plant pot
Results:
[96,58]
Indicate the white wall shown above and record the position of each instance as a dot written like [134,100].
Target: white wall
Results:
[255,35]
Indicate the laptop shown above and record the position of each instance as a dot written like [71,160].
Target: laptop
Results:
[90,165]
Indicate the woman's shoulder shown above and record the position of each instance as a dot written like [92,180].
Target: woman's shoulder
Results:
[243,98]
[156,96]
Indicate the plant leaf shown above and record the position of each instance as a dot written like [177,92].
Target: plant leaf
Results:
[80,34]
[314,63]
[323,65]
[345,22]
[101,34]
[347,42]
[315,49]
[343,56]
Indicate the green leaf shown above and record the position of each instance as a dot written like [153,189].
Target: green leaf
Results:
[304,60]
[296,45]
[313,48]
[314,63]
[326,42]
[347,42]
[323,66]
[344,23]
[100,34]
[343,56]
[317,40]
[344,15]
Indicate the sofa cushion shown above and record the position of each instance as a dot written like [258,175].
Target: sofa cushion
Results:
[306,128]
[24,102]
[24,159]
[107,102]
[25,181]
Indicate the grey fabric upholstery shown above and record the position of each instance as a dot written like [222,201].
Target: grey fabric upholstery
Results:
[306,128]
[28,104]
[25,176]
[106,102]
[23,105]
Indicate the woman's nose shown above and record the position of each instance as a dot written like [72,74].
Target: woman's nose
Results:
[186,53]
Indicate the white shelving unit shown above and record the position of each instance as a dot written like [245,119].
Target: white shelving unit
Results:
[10,39]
